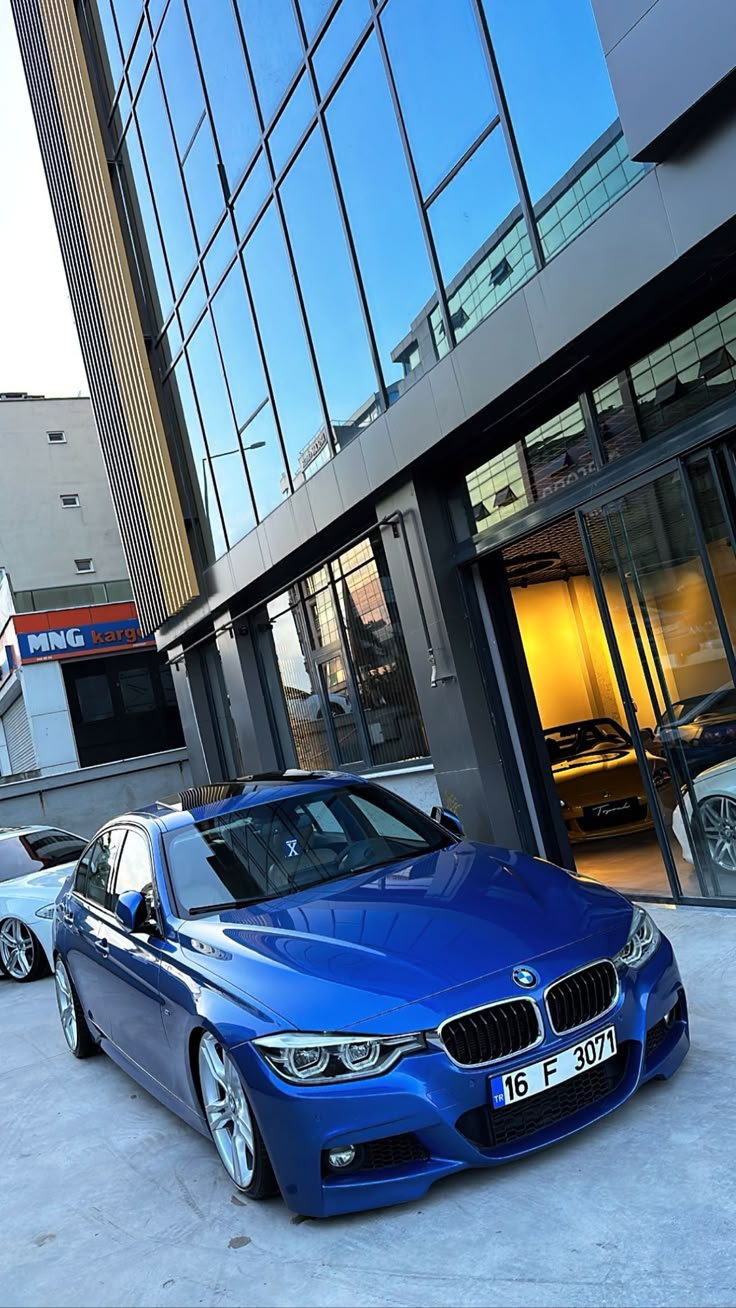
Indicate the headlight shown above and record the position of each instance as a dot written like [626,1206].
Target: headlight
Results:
[644,938]
[312,1059]
[46,911]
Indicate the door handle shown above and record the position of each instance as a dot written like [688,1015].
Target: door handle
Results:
[102,947]
[67,917]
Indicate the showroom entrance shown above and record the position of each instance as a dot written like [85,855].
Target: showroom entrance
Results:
[616,637]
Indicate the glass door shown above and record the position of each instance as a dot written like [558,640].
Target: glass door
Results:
[663,563]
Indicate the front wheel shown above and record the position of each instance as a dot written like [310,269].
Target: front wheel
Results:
[21,953]
[73,1022]
[233,1128]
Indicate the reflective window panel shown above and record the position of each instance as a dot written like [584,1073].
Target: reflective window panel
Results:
[228,88]
[252,196]
[180,396]
[127,14]
[442,80]
[388,238]
[291,123]
[166,182]
[179,73]
[287,357]
[551,65]
[329,291]
[339,39]
[481,238]
[203,183]
[238,345]
[299,687]
[139,205]
[548,459]
[275,48]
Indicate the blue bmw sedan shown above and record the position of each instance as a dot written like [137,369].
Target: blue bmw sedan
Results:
[351,998]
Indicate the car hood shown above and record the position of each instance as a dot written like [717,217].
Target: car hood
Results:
[435,934]
[45,885]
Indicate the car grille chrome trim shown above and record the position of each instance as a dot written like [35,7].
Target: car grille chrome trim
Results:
[581,997]
[492,1033]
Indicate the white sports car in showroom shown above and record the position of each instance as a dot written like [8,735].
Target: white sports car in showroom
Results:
[715,793]
[34,864]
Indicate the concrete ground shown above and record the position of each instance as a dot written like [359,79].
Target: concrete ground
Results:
[106,1199]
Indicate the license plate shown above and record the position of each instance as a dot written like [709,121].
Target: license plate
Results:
[512,1087]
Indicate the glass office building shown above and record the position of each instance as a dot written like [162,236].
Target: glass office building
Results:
[414,347]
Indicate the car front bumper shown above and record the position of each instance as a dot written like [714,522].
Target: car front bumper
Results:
[444,1110]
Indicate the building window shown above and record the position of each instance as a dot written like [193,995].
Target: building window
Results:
[69,501]
[56,437]
[343,693]
[121,706]
[84,565]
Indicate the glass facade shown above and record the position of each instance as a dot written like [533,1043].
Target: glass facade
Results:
[682,378]
[325,198]
[342,691]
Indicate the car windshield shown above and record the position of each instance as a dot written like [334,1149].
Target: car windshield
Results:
[260,851]
[597,736]
[34,851]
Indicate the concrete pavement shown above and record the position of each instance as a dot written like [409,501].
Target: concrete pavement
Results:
[107,1199]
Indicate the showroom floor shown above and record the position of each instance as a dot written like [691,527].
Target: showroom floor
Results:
[108,1200]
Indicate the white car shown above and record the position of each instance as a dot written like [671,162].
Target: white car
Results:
[34,864]
[715,794]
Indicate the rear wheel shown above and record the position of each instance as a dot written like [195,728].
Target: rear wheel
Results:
[718,816]
[233,1127]
[21,953]
[73,1022]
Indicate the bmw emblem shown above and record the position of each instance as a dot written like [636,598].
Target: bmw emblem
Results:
[525,977]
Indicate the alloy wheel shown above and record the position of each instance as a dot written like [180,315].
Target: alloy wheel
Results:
[65,1001]
[17,948]
[227,1111]
[718,815]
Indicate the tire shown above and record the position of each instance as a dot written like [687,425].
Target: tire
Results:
[21,952]
[73,1022]
[232,1125]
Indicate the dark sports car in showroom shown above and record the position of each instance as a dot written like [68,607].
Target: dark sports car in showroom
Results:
[348,996]
[599,781]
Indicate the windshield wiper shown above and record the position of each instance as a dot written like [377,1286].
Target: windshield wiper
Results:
[231,903]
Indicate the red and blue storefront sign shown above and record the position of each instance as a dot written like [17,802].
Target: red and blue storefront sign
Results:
[71,633]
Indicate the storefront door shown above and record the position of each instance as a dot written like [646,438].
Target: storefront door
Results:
[661,558]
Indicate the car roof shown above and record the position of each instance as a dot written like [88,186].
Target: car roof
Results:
[7,832]
[207,801]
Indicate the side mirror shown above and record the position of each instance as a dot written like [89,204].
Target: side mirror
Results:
[450,821]
[132,910]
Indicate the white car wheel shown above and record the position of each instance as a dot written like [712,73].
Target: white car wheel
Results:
[718,816]
[21,954]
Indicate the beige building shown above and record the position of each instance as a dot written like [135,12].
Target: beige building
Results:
[59,539]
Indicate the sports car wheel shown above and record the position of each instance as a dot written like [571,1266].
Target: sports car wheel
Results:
[232,1125]
[718,815]
[73,1022]
[20,952]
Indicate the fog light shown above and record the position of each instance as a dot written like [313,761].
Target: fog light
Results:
[670,1017]
[341,1157]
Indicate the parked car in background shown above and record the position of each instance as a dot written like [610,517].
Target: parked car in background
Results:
[34,863]
[715,797]
[344,1033]
[598,779]
[699,732]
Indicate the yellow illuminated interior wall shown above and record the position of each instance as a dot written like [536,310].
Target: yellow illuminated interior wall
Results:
[567,654]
